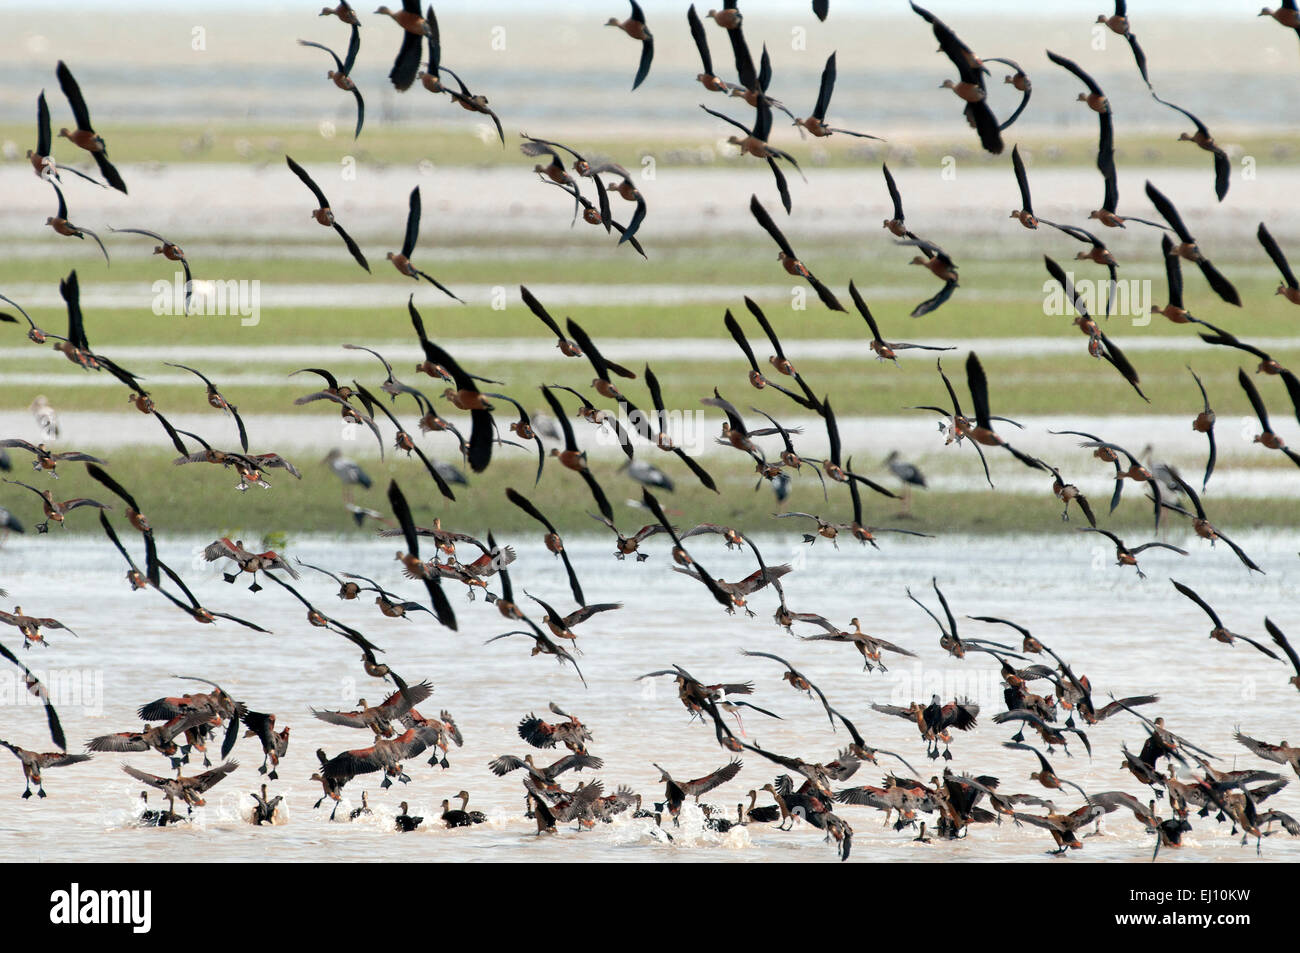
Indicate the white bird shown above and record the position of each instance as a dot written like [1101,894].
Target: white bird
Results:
[46,419]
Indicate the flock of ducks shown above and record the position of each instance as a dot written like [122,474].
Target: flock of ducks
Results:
[1045,695]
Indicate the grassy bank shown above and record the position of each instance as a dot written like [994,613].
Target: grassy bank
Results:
[461,144]
[201,499]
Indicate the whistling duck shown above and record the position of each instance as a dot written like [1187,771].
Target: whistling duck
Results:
[265,811]
[896,224]
[84,136]
[402,260]
[1204,423]
[134,576]
[1188,249]
[551,540]
[324,215]
[42,162]
[1095,98]
[542,645]
[541,734]
[816,123]
[160,738]
[343,11]
[151,818]
[555,173]
[970,85]
[462,817]
[1282,642]
[45,459]
[1067,492]
[798,681]
[729,17]
[341,76]
[544,777]
[676,792]
[789,260]
[1062,827]
[1201,524]
[405,822]
[574,459]
[440,732]
[59,222]
[1045,775]
[414,567]
[356,812]
[1125,556]
[188,789]
[1202,138]
[1290,289]
[414,29]
[779,361]
[1288,15]
[169,250]
[561,626]
[1220,633]
[635,27]
[247,561]
[380,718]
[937,261]
[1266,437]
[55,510]
[1282,753]
[868,646]
[933,720]
[754,142]
[386,755]
[567,347]
[471,102]
[1024,214]
[429,78]
[35,762]
[218,402]
[708,79]
[274,744]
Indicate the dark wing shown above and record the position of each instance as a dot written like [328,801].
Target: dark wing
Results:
[1168,212]
[1205,606]
[893,193]
[412,224]
[337,62]
[824,91]
[1074,68]
[769,226]
[986,124]
[441,605]
[301,173]
[536,308]
[1256,401]
[933,303]
[1021,179]
[647,57]
[1275,253]
[701,41]
[978,384]
[1281,641]
[73,93]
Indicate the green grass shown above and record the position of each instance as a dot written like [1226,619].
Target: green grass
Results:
[449,144]
[1064,385]
[170,497]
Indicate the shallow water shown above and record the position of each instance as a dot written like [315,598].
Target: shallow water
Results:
[1129,636]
